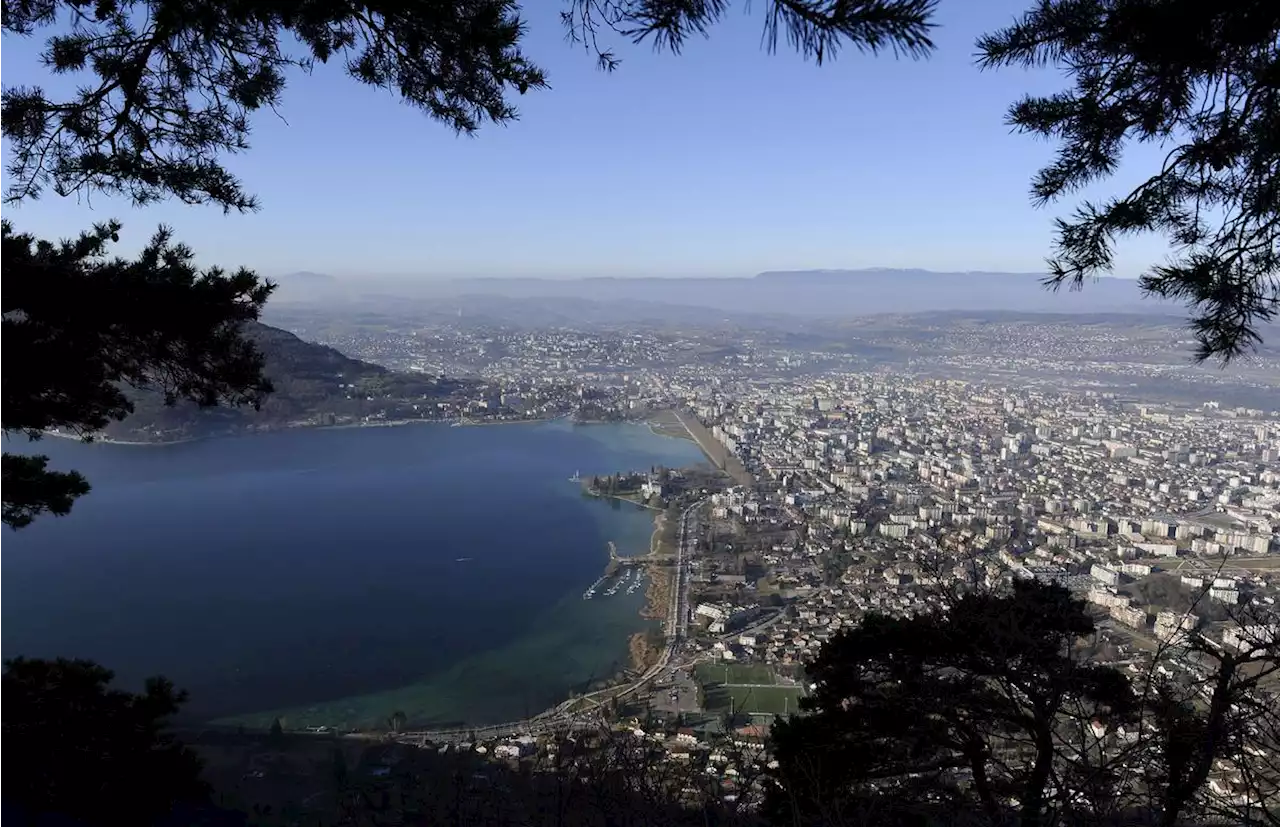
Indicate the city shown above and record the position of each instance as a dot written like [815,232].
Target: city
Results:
[845,492]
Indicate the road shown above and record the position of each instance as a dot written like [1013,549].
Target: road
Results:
[686,541]
[559,718]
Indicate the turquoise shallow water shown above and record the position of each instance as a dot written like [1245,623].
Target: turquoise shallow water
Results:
[318,572]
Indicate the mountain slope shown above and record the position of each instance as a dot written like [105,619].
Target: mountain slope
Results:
[314,384]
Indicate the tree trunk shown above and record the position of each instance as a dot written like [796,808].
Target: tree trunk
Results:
[1033,793]
[982,784]
[1180,791]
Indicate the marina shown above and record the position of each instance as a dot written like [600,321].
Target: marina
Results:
[619,583]
[591,590]
[629,582]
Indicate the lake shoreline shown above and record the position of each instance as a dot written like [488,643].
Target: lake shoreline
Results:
[106,440]
[445,688]
[654,427]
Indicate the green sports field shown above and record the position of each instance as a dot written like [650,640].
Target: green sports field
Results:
[730,673]
[774,700]
[748,688]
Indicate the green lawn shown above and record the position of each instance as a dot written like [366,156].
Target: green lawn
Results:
[775,700]
[717,673]
[746,687]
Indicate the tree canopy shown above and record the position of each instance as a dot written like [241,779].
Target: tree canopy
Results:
[817,29]
[92,753]
[79,325]
[986,689]
[991,709]
[1202,81]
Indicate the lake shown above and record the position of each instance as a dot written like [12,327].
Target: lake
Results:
[334,576]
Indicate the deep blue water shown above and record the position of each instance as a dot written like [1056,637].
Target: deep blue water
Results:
[317,571]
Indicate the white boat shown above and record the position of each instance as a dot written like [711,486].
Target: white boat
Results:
[591,590]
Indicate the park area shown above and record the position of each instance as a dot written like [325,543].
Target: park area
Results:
[748,688]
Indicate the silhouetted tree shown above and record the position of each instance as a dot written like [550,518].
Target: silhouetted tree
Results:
[1224,715]
[1202,80]
[815,28]
[90,752]
[172,84]
[79,325]
[904,707]
[340,770]
[397,721]
[277,730]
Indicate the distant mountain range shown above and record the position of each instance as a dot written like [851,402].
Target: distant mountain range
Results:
[831,293]
[821,293]
[305,285]
[304,277]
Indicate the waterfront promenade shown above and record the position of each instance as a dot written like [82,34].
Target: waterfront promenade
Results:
[720,456]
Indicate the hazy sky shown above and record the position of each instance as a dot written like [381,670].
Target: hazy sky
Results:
[724,160]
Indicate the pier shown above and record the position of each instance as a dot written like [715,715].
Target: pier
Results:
[617,561]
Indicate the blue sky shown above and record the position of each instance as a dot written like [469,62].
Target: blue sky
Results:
[724,160]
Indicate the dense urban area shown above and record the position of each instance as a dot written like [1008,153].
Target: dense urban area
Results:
[845,483]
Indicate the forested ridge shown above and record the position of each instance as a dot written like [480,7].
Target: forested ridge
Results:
[314,385]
